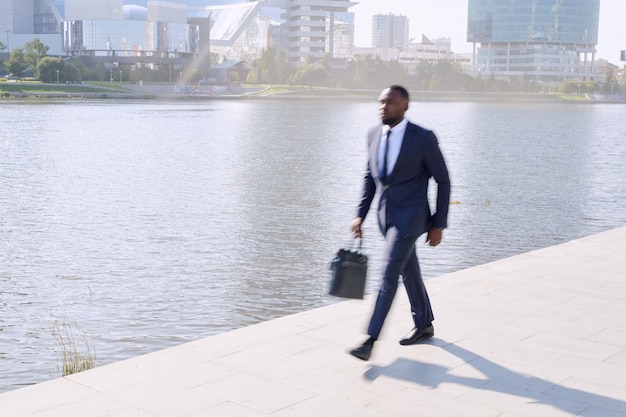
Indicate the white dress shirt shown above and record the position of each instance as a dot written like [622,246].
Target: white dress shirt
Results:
[395,143]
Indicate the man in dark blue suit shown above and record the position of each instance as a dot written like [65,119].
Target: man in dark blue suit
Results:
[402,157]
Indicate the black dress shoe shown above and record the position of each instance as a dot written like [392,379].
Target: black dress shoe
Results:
[416,335]
[364,351]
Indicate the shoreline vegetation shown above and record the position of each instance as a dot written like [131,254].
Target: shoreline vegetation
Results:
[77,354]
[12,91]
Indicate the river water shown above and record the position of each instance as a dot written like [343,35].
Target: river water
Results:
[147,224]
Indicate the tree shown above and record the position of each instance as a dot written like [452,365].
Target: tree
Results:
[609,87]
[266,71]
[48,67]
[570,87]
[363,71]
[396,73]
[78,63]
[252,77]
[310,75]
[476,84]
[272,67]
[16,64]
[444,75]
[72,73]
[591,86]
[2,48]
[452,76]
[368,72]
[34,51]
[424,73]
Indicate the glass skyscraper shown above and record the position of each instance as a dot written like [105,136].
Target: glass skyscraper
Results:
[547,40]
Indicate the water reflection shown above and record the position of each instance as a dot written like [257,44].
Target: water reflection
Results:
[153,223]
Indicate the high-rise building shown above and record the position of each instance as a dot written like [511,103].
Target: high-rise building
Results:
[23,20]
[47,18]
[310,27]
[29,17]
[549,40]
[390,31]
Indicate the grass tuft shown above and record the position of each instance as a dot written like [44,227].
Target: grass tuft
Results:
[70,337]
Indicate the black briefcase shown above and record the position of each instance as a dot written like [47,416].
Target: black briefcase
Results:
[349,271]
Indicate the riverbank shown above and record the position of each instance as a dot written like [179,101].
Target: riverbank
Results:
[12,90]
[529,335]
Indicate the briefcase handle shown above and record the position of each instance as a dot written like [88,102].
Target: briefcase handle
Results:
[354,239]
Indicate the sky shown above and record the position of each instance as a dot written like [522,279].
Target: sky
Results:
[448,19]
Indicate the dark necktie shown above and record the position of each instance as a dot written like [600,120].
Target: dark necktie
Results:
[383,177]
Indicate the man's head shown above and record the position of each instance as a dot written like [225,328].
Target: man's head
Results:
[394,102]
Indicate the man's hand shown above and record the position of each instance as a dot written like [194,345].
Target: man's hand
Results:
[433,238]
[356,228]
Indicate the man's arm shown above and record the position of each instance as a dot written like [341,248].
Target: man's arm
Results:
[369,191]
[439,171]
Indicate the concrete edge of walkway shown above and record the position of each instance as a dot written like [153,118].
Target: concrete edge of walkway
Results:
[541,333]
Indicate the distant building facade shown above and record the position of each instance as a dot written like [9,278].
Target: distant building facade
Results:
[417,53]
[390,31]
[151,30]
[109,31]
[545,40]
[311,27]
[426,51]
[604,72]
[23,20]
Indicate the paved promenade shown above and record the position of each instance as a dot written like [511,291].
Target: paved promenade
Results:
[537,335]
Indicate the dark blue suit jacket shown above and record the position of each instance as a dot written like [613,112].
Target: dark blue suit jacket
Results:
[404,199]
